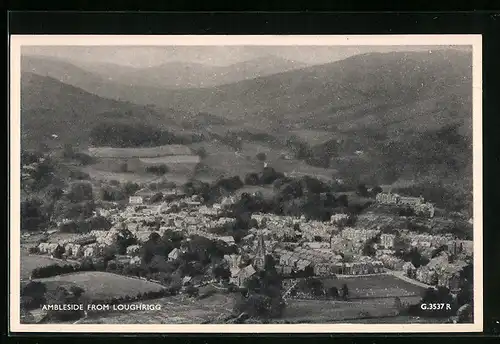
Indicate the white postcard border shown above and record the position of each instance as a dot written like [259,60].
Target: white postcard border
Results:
[17,41]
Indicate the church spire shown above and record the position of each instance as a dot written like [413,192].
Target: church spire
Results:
[260,253]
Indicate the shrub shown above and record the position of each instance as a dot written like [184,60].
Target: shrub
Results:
[33,250]
[157,197]
[158,170]
[261,156]
[251,179]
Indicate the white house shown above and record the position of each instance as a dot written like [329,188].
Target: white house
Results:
[135,200]
[174,254]
[240,276]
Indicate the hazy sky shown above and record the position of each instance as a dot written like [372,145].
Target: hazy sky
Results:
[214,55]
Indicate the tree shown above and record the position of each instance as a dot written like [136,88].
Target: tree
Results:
[33,294]
[68,151]
[100,223]
[157,197]
[130,188]
[333,292]
[32,215]
[369,250]
[80,191]
[376,190]
[192,291]
[60,297]
[251,179]
[345,291]
[361,190]
[201,152]
[221,272]
[157,169]
[316,286]
[76,291]
[124,167]
[261,156]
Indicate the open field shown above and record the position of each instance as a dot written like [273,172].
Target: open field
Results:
[174,310]
[172,159]
[224,160]
[28,263]
[149,152]
[322,311]
[101,285]
[377,286]
[314,137]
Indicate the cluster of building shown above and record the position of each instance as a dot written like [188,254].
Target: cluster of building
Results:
[324,263]
[440,271]
[318,248]
[418,204]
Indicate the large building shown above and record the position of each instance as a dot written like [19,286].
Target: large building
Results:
[416,203]
[387,240]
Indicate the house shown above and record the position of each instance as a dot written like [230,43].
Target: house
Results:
[135,260]
[387,240]
[387,198]
[410,201]
[233,260]
[133,249]
[240,276]
[174,254]
[186,280]
[228,240]
[135,200]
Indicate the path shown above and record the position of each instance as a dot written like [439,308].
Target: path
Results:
[401,276]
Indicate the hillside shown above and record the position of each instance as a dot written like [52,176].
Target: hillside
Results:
[377,90]
[172,75]
[367,90]
[402,110]
[51,107]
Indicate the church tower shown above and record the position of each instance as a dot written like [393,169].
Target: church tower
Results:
[260,253]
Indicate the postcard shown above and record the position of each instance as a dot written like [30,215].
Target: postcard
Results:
[246,184]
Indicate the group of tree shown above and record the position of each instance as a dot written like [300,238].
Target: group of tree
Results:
[54,270]
[315,287]
[115,134]
[262,296]
[61,296]
[158,170]
[33,295]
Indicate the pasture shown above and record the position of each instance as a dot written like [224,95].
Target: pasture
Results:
[174,310]
[147,152]
[314,137]
[101,285]
[29,263]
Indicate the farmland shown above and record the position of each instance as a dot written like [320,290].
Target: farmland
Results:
[101,285]
[174,310]
[150,152]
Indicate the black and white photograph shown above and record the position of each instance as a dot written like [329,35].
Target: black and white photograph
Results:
[246,183]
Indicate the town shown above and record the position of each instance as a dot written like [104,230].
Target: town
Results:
[299,247]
